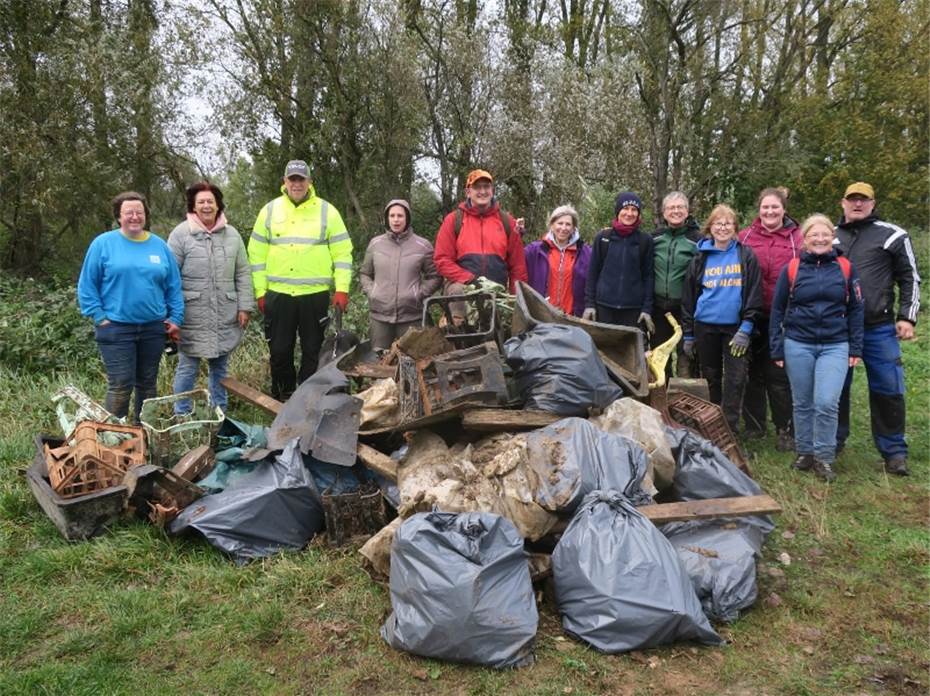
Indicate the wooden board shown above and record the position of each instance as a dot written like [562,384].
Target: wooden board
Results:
[703,510]
[377,461]
[502,420]
[253,396]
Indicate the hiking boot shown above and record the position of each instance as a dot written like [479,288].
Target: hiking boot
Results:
[804,462]
[897,466]
[823,470]
[784,441]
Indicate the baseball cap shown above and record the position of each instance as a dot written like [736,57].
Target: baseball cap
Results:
[297,168]
[861,188]
[476,174]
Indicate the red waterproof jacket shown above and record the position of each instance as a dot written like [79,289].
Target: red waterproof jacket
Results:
[773,250]
[482,248]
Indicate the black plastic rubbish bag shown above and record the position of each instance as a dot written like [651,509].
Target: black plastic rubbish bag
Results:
[702,471]
[573,457]
[273,508]
[557,369]
[461,590]
[619,584]
[720,559]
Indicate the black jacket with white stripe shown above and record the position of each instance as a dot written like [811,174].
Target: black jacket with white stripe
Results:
[884,257]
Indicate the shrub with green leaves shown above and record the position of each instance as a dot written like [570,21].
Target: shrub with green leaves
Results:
[41,328]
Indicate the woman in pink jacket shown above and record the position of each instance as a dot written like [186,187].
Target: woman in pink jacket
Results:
[776,239]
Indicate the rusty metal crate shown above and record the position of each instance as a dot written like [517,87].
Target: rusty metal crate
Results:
[708,421]
[87,465]
[361,511]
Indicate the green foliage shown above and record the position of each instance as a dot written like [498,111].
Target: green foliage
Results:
[41,329]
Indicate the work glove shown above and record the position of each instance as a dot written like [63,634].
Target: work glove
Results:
[646,319]
[688,348]
[740,344]
[590,314]
[173,331]
[261,304]
[341,300]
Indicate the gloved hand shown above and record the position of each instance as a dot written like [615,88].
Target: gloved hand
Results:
[589,314]
[261,304]
[688,348]
[341,300]
[739,344]
[646,319]
[173,331]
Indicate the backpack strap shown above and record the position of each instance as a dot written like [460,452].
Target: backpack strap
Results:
[504,216]
[795,263]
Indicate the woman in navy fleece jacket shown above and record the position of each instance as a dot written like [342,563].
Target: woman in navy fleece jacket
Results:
[720,302]
[815,331]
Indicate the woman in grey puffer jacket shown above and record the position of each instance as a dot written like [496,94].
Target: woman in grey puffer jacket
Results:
[397,275]
[217,286]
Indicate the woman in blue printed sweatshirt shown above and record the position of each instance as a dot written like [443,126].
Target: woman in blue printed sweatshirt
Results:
[720,301]
[130,286]
[815,332]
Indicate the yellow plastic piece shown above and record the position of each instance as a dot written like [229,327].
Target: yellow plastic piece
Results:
[659,356]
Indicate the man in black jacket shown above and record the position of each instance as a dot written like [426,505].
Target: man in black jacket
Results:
[884,257]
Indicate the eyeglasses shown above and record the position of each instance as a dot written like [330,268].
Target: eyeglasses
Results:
[676,207]
[722,225]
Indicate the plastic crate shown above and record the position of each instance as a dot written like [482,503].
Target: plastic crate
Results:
[170,435]
[708,421]
[97,457]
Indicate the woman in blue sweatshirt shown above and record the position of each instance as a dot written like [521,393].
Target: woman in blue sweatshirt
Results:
[720,302]
[131,288]
[815,332]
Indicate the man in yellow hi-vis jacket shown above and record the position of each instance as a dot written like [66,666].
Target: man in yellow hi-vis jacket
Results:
[299,251]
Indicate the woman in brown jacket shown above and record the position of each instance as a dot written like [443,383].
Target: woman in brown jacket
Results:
[397,275]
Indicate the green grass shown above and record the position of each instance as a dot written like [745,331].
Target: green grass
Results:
[136,610]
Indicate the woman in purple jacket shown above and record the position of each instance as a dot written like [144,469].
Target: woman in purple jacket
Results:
[557,264]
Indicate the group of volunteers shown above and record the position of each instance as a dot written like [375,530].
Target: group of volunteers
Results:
[775,315]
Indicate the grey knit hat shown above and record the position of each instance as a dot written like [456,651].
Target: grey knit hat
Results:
[563,210]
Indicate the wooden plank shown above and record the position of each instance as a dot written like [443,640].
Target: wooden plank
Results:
[253,396]
[712,508]
[502,420]
[377,461]
[196,462]
[371,370]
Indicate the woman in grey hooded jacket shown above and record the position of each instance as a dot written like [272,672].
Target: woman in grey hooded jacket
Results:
[217,286]
[397,275]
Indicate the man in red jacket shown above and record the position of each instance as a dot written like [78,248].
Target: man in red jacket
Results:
[478,239]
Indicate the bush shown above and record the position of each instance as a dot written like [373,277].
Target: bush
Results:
[41,329]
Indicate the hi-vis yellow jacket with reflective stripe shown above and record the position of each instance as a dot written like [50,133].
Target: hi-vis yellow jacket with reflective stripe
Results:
[300,249]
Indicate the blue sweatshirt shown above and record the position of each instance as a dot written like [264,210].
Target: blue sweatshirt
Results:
[721,299]
[130,281]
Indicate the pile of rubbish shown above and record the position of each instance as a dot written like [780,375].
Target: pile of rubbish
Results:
[474,465]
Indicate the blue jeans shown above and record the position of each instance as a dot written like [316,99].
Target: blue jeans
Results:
[131,354]
[186,376]
[817,372]
[881,354]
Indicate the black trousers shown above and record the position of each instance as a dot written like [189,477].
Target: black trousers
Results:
[685,366]
[286,317]
[725,374]
[767,383]
[619,317]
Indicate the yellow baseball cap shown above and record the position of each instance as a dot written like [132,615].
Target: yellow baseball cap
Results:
[861,188]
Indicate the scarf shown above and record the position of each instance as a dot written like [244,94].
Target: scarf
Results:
[197,224]
[624,230]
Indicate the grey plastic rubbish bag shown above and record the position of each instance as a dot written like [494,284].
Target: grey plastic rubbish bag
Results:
[572,457]
[618,582]
[557,369]
[720,559]
[702,471]
[273,508]
[461,590]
